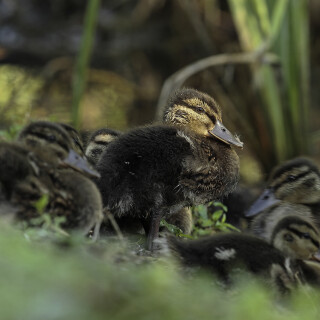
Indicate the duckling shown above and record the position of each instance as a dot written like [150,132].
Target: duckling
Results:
[293,240]
[293,190]
[263,224]
[295,181]
[41,134]
[98,142]
[77,143]
[29,172]
[154,171]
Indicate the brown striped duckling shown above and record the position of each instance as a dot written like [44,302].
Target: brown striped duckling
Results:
[293,189]
[295,181]
[76,140]
[29,172]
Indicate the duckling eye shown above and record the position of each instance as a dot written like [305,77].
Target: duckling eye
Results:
[305,235]
[288,237]
[51,138]
[200,109]
[291,178]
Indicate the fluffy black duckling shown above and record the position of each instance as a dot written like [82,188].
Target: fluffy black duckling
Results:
[98,142]
[295,181]
[29,172]
[292,241]
[154,171]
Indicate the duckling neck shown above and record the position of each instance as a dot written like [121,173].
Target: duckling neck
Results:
[211,172]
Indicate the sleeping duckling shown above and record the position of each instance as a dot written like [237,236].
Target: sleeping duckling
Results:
[292,241]
[38,169]
[295,181]
[98,142]
[154,171]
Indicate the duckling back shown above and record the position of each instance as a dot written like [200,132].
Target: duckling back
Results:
[227,254]
[141,170]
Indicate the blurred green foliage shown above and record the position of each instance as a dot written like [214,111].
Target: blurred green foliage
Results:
[19,90]
[70,278]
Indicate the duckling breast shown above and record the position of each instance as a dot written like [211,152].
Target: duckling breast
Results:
[211,172]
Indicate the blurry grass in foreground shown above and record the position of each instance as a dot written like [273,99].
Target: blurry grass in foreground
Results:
[71,278]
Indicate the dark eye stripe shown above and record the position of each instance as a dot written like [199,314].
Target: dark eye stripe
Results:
[102,143]
[46,138]
[300,235]
[78,144]
[212,118]
[301,175]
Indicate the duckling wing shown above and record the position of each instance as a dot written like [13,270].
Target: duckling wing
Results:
[141,169]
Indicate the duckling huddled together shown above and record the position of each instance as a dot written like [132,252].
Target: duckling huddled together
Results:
[160,171]
[43,162]
[283,240]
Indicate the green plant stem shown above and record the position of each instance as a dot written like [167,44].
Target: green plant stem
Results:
[80,71]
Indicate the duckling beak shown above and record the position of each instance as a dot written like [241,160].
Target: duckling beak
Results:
[75,161]
[266,199]
[316,257]
[222,133]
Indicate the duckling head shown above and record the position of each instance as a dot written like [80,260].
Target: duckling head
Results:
[295,181]
[51,140]
[98,142]
[200,113]
[296,238]
[76,141]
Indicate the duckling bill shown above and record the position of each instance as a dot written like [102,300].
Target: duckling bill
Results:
[295,181]
[221,132]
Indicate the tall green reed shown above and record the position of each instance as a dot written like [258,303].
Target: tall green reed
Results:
[83,59]
[281,27]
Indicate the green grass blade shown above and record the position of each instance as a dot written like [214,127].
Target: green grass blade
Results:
[80,71]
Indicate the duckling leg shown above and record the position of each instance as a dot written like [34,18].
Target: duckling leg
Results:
[153,232]
[96,231]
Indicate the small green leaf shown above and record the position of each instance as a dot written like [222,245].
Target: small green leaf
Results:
[221,205]
[217,215]
[171,228]
[203,211]
[230,226]
[204,232]
[207,223]
[41,204]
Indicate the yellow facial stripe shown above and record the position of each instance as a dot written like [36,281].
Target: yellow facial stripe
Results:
[104,138]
